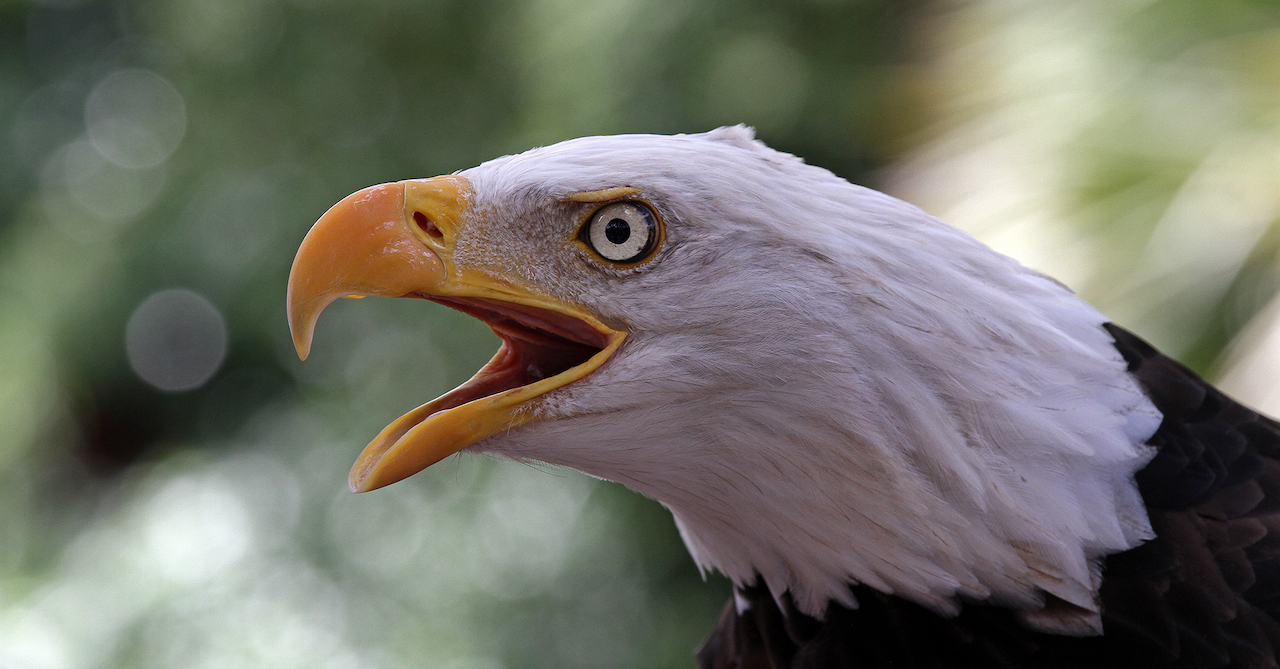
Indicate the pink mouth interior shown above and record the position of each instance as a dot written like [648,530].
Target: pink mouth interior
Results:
[536,344]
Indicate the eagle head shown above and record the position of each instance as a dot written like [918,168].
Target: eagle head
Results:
[825,385]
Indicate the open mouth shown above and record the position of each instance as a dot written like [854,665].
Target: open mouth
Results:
[537,344]
[541,351]
[369,244]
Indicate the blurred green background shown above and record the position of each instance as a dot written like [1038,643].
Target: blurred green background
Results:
[172,479]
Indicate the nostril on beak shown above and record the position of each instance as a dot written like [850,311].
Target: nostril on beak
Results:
[426,225]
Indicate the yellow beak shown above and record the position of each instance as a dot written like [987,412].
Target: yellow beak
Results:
[397,240]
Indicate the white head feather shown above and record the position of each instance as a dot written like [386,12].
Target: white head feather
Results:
[826,385]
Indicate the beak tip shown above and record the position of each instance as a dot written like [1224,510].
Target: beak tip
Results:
[301,329]
[361,482]
[370,473]
[360,479]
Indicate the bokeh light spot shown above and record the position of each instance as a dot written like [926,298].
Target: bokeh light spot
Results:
[135,118]
[176,340]
[32,640]
[197,527]
[101,188]
[48,118]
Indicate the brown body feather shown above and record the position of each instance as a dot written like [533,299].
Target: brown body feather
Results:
[1204,593]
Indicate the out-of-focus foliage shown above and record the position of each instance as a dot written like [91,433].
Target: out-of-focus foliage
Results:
[1130,148]
[172,478]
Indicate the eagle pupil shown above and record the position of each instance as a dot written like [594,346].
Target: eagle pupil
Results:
[617,231]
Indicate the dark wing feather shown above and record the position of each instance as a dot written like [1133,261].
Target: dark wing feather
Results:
[1204,593]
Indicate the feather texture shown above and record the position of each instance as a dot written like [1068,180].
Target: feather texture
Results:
[1203,593]
[826,385]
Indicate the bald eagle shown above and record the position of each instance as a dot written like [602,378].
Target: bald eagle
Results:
[903,448]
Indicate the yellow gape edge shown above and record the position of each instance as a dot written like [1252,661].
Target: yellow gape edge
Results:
[396,240]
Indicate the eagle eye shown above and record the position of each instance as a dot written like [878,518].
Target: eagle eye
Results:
[622,232]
